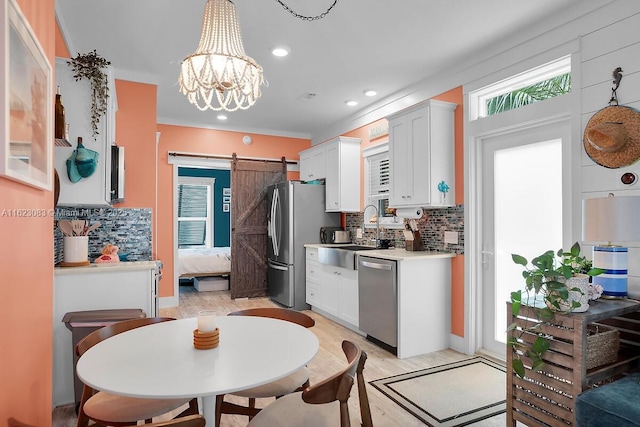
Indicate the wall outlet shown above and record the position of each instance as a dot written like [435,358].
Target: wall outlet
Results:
[358,233]
[451,237]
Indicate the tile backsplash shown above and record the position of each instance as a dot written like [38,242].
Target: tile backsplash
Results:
[432,225]
[127,228]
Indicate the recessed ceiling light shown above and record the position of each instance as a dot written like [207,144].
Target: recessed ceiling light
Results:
[370,92]
[280,51]
[351,103]
[221,117]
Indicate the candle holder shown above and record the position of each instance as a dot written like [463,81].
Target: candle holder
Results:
[206,340]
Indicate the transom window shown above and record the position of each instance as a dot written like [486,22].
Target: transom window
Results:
[537,84]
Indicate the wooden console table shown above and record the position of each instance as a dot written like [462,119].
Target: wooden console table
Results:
[547,397]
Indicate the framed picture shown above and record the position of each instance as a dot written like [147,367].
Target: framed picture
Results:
[26,93]
[226,192]
[226,207]
[226,199]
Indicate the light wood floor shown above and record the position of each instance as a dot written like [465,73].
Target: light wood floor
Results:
[329,359]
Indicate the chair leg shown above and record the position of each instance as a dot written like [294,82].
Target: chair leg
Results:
[219,402]
[252,405]
[83,420]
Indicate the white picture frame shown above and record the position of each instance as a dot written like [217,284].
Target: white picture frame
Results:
[226,191]
[26,93]
[226,207]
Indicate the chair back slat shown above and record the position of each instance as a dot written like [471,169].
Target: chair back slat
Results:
[338,386]
[114,329]
[278,313]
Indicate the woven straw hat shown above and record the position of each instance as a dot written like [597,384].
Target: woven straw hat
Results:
[612,136]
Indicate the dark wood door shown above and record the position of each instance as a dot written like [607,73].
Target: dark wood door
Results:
[249,182]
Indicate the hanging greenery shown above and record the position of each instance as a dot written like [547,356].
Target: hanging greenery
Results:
[90,66]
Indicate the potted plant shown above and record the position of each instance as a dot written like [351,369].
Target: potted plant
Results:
[554,282]
[91,66]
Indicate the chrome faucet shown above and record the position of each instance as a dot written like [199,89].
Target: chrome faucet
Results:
[364,222]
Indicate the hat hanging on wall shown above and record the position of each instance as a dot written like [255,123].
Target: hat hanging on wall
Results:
[612,136]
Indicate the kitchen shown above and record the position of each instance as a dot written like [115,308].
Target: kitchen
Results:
[137,121]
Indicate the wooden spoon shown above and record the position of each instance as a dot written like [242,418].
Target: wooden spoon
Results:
[66,227]
[91,228]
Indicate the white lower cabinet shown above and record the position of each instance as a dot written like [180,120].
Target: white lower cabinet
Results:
[332,290]
[129,285]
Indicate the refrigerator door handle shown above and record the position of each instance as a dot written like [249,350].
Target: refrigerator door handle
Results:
[274,233]
[276,266]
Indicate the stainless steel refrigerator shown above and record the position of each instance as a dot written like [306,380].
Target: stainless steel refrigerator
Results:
[297,211]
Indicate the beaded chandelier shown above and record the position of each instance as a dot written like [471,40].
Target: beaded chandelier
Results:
[219,75]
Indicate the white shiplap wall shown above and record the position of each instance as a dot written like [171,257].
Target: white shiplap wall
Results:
[614,45]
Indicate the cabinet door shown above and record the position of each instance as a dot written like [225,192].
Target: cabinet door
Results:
[313,164]
[330,292]
[332,184]
[419,192]
[400,153]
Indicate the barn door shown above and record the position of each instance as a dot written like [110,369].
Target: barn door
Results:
[249,182]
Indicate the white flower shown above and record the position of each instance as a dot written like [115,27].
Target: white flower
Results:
[595,291]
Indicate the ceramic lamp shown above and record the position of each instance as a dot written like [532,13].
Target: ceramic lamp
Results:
[612,220]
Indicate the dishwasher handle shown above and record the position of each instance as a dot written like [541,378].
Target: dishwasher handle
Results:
[375,265]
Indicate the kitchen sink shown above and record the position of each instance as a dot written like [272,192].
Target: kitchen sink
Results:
[341,256]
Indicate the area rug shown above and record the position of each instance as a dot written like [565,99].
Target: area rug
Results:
[455,394]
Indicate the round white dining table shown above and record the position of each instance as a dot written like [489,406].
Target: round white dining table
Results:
[160,361]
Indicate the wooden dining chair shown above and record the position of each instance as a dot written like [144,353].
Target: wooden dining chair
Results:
[113,410]
[324,404]
[297,381]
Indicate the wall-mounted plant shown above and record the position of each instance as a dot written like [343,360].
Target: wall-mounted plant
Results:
[91,66]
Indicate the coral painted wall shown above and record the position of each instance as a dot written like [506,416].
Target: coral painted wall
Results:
[27,275]
[457,263]
[204,141]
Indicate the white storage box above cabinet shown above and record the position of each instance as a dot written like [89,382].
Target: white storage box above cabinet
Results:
[421,151]
[94,190]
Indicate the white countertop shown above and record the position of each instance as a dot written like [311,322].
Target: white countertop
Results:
[399,254]
[99,268]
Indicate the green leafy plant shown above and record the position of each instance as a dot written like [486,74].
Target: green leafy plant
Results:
[544,282]
[91,66]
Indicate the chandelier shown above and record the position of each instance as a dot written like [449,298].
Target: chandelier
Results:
[219,75]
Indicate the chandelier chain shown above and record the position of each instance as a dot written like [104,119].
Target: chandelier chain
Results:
[307,18]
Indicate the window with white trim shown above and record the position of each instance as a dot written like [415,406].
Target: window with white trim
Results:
[376,175]
[195,213]
[537,84]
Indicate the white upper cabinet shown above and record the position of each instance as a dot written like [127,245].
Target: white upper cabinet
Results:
[338,162]
[343,175]
[313,163]
[94,190]
[421,152]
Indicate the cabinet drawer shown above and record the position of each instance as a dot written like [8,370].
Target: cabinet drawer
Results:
[313,294]
[313,270]
[312,253]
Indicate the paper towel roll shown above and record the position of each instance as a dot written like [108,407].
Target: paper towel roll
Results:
[409,213]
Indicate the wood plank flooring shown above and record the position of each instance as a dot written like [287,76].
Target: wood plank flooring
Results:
[329,359]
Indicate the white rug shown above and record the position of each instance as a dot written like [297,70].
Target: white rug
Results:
[455,394]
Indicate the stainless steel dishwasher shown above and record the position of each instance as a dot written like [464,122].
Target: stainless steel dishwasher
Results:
[378,299]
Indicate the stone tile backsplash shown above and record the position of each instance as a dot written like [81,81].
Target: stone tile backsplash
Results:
[432,225]
[127,228]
